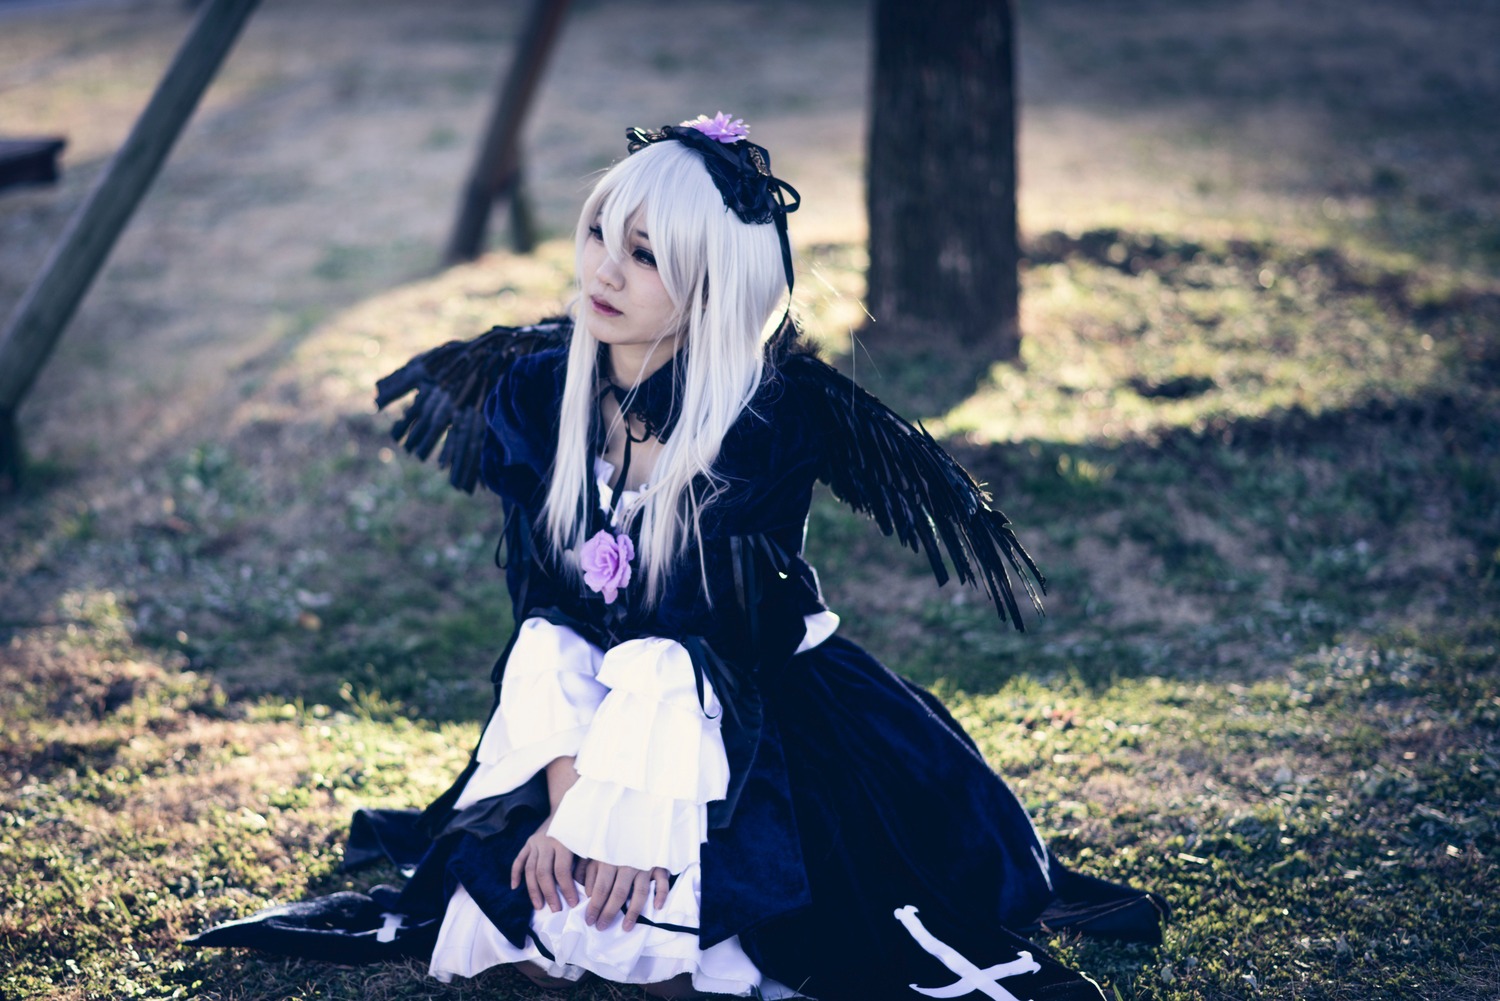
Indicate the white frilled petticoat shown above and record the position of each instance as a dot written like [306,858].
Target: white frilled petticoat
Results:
[650,760]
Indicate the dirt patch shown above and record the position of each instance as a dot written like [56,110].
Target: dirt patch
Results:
[1125,575]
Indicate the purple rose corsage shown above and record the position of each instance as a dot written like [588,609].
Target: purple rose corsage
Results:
[720,127]
[605,560]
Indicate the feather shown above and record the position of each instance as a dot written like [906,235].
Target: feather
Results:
[899,475]
[452,381]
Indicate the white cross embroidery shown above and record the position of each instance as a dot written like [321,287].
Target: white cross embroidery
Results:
[970,977]
[1041,863]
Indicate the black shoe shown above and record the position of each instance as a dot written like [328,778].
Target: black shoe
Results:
[346,927]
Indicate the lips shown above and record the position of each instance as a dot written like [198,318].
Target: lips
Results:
[601,307]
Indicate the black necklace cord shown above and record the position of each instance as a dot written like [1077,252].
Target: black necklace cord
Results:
[618,487]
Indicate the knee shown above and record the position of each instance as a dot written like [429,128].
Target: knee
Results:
[538,976]
[679,987]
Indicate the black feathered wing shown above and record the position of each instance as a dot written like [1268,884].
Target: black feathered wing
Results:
[880,465]
[452,381]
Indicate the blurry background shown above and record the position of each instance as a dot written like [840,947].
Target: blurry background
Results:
[1252,439]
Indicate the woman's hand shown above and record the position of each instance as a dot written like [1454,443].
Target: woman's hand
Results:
[544,862]
[547,866]
[610,888]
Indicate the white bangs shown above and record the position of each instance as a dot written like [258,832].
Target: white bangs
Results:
[725,279]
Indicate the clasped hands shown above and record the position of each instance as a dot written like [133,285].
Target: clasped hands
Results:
[550,871]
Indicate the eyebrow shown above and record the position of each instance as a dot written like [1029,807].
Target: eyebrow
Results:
[642,234]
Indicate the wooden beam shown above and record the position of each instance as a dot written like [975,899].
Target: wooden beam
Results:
[29,161]
[50,302]
[497,168]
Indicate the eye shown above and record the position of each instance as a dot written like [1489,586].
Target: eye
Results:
[596,233]
[645,257]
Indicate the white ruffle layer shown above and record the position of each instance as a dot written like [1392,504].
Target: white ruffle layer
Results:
[469,944]
[643,741]
[549,698]
[600,820]
[652,762]
[649,733]
[820,626]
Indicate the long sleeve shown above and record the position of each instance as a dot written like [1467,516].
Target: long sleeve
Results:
[650,756]
[651,763]
[520,413]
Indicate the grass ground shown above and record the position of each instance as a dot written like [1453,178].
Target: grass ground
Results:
[1253,441]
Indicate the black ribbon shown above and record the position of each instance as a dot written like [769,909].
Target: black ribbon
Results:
[648,430]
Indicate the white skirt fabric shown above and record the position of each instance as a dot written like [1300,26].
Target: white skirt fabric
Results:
[469,943]
[650,760]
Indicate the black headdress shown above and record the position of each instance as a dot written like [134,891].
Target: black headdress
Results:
[741,171]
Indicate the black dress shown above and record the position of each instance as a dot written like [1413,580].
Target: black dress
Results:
[862,847]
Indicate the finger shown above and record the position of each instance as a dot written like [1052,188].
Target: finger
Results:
[519,866]
[616,899]
[562,868]
[533,884]
[604,877]
[662,879]
[545,879]
[640,890]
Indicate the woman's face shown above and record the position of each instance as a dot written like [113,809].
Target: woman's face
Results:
[627,301]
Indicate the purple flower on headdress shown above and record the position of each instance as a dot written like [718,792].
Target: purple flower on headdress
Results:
[605,560]
[721,127]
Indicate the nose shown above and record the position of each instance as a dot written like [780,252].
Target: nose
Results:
[610,274]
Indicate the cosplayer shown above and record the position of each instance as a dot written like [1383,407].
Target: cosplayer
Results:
[689,781]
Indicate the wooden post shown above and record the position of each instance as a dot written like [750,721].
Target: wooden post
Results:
[44,311]
[29,161]
[522,225]
[497,169]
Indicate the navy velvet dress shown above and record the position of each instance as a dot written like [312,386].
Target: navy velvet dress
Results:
[863,848]
[853,793]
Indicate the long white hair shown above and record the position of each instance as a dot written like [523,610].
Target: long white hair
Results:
[725,278]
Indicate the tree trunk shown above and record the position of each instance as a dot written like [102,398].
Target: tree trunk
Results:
[942,173]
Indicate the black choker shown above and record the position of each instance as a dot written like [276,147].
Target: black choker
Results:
[655,401]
